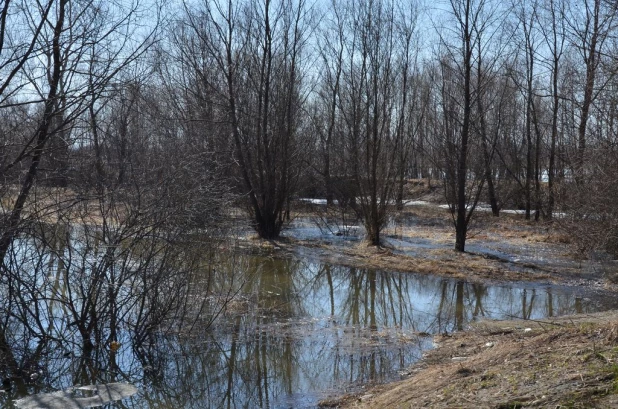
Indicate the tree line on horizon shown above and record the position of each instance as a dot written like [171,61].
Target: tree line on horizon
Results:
[171,113]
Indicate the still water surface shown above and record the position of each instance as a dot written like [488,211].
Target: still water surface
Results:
[296,332]
[310,329]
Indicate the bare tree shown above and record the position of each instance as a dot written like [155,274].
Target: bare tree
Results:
[50,53]
[527,17]
[591,24]
[464,185]
[374,107]
[59,82]
[258,47]
[411,112]
[43,131]
[553,28]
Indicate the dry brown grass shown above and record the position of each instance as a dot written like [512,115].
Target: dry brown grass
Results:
[434,224]
[442,262]
[566,362]
[55,204]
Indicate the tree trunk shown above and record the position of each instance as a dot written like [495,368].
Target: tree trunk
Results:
[461,223]
[529,171]
[327,179]
[42,136]
[551,171]
[591,69]
[489,178]
[400,186]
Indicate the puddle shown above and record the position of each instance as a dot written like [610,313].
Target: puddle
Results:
[325,230]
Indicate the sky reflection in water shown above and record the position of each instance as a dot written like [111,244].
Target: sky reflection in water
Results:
[299,331]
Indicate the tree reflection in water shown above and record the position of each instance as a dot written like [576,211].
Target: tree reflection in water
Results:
[291,330]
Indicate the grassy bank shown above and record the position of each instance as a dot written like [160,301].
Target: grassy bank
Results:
[568,362]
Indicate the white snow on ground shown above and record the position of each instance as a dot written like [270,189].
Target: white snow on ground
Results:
[481,207]
[487,208]
[314,201]
[416,203]
[320,202]
[507,211]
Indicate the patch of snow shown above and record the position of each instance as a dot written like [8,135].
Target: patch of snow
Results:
[513,211]
[319,202]
[416,203]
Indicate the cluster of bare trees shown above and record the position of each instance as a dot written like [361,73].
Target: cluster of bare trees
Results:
[124,126]
[247,60]
[364,112]
[98,186]
[506,104]
[503,103]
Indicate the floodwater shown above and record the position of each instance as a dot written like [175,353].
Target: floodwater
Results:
[309,330]
[519,257]
[295,331]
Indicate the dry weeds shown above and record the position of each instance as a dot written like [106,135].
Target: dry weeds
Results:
[565,362]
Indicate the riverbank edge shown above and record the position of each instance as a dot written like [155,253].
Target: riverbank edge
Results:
[447,263]
[569,361]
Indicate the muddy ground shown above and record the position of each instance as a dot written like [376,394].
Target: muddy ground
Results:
[562,362]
